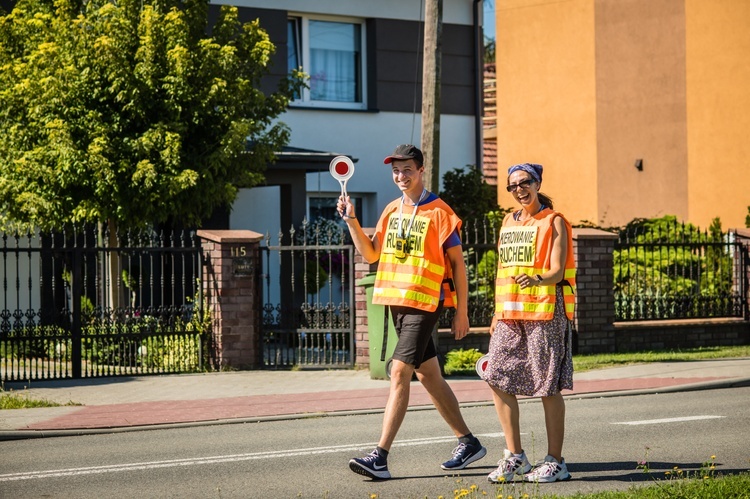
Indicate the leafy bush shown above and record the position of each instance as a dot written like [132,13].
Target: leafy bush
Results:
[465,190]
[668,269]
[46,341]
[164,339]
[461,361]
[486,273]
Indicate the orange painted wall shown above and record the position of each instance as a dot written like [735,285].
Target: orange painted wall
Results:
[546,99]
[640,92]
[586,87]
[718,110]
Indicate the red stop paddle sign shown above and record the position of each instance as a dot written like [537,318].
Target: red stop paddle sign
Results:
[482,364]
[342,169]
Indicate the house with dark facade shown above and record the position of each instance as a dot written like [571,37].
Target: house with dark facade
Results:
[364,61]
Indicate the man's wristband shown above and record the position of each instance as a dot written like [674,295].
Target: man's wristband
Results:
[538,279]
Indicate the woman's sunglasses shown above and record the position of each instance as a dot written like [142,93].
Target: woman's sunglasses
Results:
[524,184]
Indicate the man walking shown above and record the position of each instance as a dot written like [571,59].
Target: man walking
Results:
[417,246]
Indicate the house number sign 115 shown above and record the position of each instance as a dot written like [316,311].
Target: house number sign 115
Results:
[242,263]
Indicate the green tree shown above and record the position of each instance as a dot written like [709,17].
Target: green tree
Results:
[654,261]
[470,196]
[717,264]
[489,50]
[475,202]
[128,111]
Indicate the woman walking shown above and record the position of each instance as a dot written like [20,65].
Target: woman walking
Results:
[530,349]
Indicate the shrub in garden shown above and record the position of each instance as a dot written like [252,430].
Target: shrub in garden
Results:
[461,361]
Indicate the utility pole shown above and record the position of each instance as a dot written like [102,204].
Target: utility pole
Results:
[431,69]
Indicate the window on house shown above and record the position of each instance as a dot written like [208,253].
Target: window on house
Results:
[330,52]
[325,207]
[293,58]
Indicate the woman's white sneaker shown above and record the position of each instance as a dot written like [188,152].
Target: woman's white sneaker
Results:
[510,466]
[549,470]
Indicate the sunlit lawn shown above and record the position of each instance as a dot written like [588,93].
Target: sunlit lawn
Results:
[598,361]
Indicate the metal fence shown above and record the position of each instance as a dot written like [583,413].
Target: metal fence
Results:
[479,241]
[671,270]
[88,302]
[308,296]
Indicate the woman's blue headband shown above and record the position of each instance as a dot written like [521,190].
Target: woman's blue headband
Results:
[532,169]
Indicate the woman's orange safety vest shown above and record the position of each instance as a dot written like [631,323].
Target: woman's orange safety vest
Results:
[415,280]
[526,248]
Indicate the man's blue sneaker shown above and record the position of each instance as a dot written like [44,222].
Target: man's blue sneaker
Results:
[464,455]
[372,465]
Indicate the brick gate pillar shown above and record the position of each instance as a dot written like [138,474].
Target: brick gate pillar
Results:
[230,286]
[361,334]
[595,299]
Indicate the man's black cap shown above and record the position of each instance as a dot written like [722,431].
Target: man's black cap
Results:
[406,151]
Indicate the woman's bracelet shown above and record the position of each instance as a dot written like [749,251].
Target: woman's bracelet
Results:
[345,216]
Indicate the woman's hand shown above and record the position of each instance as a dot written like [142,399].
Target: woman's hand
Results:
[525,281]
[493,324]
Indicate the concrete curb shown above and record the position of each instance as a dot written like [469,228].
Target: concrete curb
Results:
[7,435]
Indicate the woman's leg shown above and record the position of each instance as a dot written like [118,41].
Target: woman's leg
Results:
[506,406]
[554,419]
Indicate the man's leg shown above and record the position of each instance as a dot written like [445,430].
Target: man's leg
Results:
[398,402]
[469,448]
[442,396]
[375,465]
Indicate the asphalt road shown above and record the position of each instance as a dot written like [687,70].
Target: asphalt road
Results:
[605,439]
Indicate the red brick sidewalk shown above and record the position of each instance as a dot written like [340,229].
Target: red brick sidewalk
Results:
[261,406]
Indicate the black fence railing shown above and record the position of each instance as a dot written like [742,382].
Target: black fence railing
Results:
[87,302]
[479,241]
[307,292]
[671,270]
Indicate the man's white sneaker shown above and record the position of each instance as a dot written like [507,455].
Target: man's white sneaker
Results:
[549,470]
[510,466]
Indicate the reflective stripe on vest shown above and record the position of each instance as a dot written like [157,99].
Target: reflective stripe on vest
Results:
[527,251]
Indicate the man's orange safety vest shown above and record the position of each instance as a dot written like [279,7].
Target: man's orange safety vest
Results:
[415,278]
[526,248]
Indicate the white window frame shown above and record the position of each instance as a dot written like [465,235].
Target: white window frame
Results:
[305,100]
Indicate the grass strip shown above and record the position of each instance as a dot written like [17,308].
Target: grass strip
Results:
[12,400]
